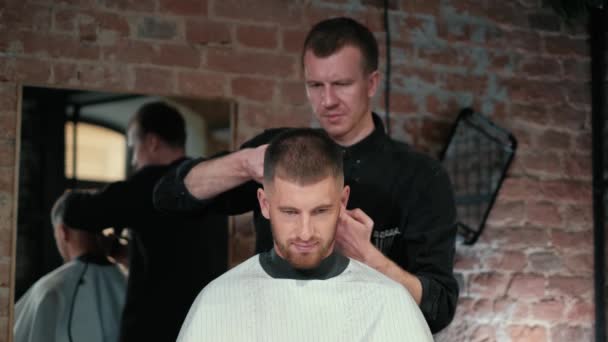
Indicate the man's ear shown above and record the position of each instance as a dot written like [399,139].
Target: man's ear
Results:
[264,205]
[345,196]
[62,233]
[152,142]
[374,80]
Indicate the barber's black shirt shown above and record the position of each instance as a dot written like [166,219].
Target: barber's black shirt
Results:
[171,257]
[408,196]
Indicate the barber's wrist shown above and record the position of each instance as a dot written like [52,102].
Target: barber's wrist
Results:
[374,258]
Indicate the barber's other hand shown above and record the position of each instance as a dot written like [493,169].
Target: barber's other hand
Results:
[353,234]
[253,163]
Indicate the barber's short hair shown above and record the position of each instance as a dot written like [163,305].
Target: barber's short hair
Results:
[163,120]
[304,156]
[330,35]
[58,210]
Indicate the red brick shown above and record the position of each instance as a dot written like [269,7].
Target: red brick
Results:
[544,214]
[488,284]
[128,5]
[55,46]
[583,142]
[403,103]
[201,84]
[551,139]
[578,167]
[9,93]
[527,286]
[483,333]
[505,213]
[522,333]
[550,310]
[177,55]
[285,13]
[293,93]
[516,238]
[530,114]
[580,312]
[582,240]
[7,179]
[577,69]
[541,66]
[570,286]
[528,91]
[255,89]
[154,80]
[26,15]
[184,7]
[71,19]
[466,260]
[264,37]
[156,28]
[566,191]
[203,31]
[579,264]
[114,76]
[519,188]
[565,117]
[6,242]
[315,14]
[564,45]
[545,261]
[579,217]
[578,93]
[506,261]
[130,51]
[431,7]
[435,130]
[7,152]
[5,271]
[518,40]
[481,308]
[566,333]
[545,163]
[293,40]
[8,125]
[251,63]
[23,69]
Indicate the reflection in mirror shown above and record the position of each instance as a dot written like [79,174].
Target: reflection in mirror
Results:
[76,139]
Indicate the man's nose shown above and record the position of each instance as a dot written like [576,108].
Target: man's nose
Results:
[306,229]
[329,97]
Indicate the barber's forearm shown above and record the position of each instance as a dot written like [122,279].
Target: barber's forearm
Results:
[389,268]
[213,177]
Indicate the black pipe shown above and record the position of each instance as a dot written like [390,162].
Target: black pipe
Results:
[597,32]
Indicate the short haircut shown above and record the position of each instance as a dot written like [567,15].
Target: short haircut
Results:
[58,210]
[304,156]
[163,120]
[330,35]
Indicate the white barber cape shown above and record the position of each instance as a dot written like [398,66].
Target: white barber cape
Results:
[264,299]
[42,313]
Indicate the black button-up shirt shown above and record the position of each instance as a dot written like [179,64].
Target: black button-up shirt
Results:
[408,195]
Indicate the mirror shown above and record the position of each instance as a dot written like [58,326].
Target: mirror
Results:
[477,157]
[76,139]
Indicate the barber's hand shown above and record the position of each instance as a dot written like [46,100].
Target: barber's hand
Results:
[353,234]
[254,163]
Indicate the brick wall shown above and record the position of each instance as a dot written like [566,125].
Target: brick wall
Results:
[530,276]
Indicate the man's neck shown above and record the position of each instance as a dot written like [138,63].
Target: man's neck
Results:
[361,130]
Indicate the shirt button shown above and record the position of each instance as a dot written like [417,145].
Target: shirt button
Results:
[358,161]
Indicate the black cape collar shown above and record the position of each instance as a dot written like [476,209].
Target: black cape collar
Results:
[279,268]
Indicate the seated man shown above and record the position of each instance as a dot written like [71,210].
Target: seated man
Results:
[81,300]
[303,290]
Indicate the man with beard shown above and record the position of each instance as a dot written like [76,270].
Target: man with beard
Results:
[408,195]
[303,289]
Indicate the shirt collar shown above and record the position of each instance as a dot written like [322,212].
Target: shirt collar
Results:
[371,142]
[279,268]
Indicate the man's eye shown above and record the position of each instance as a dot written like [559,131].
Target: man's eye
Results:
[289,212]
[321,211]
[314,85]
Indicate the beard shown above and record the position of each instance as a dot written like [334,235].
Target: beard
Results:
[308,260]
